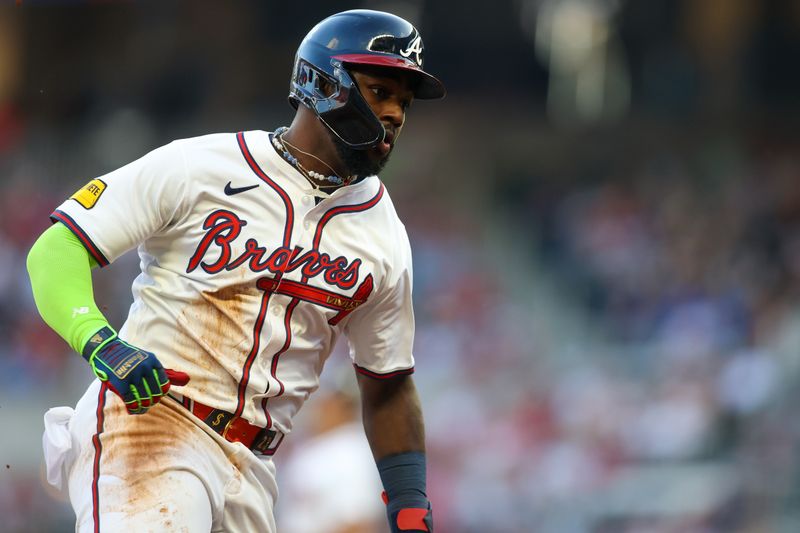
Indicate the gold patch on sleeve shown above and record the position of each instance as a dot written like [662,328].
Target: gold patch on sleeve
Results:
[88,195]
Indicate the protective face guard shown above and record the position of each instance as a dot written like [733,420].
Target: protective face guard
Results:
[345,112]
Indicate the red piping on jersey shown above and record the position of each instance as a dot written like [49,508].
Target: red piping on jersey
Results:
[98,449]
[287,202]
[323,221]
[388,375]
[344,209]
[287,323]
[287,237]
[251,357]
[73,226]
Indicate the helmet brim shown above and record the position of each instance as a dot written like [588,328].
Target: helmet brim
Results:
[428,87]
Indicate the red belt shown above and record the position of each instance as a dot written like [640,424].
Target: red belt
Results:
[233,428]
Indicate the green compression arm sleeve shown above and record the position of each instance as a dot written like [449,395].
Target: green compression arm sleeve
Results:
[60,269]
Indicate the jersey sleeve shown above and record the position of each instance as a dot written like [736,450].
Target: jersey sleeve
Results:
[381,333]
[115,212]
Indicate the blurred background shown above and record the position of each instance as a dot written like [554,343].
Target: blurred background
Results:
[605,217]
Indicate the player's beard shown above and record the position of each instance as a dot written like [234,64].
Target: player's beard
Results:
[357,163]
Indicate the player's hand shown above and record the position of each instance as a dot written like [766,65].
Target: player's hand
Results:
[410,516]
[135,375]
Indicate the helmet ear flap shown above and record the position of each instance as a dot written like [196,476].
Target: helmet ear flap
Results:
[310,85]
[337,102]
[315,81]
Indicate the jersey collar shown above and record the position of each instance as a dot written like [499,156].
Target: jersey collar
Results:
[272,163]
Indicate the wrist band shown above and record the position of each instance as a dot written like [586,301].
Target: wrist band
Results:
[103,336]
[403,477]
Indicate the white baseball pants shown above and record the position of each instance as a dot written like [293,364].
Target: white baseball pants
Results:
[162,471]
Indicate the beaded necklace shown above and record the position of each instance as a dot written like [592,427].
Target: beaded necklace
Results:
[310,175]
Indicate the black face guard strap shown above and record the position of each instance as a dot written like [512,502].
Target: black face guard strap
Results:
[345,112]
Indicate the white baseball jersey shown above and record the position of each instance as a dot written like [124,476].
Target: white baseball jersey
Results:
[246,281]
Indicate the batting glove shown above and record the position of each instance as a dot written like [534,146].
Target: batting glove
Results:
[409,515]
[135,375]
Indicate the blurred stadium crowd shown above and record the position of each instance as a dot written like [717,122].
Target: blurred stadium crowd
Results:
[607,279]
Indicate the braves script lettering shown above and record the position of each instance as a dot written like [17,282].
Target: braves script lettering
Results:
[223,227]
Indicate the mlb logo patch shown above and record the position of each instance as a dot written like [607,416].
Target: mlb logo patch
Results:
[88,195]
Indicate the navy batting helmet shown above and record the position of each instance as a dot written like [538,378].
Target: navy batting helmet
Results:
[345,40]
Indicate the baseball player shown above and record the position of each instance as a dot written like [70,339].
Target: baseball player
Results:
[258,250]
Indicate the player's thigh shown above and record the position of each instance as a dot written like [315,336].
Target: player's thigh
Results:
[175,500]
[250,494]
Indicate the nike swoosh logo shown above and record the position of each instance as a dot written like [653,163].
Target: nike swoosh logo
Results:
[230,191]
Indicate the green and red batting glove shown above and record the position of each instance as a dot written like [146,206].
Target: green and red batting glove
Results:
[135,375]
